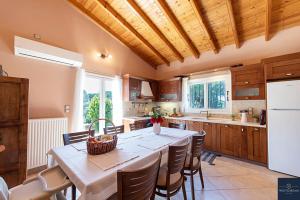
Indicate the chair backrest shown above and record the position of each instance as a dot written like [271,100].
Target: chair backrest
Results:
[133,127]
[176,158]
[197,144]
[139,184]
[178,126]
[111,130]
[3,190]
[70,138]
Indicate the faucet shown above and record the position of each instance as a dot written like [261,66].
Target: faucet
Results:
[205,111]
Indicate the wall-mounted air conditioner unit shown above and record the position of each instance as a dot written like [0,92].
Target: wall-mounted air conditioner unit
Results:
[37,50]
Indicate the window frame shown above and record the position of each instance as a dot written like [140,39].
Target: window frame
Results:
[205,80]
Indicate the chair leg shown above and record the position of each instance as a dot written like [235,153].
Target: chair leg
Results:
[192,186]
[73,192]
[201,177]
[183,190]
[65,192]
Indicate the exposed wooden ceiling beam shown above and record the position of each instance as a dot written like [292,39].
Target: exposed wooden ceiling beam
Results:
[268,19]
[196,7]
[172,18]
[233,23]
[109,30]
[150,23]
[125,24]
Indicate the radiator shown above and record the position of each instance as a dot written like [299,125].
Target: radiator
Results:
[44,134]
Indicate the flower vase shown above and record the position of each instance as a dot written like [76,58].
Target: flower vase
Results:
[156,128]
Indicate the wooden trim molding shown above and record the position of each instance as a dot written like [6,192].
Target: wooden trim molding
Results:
[82,9]
[126,25]
[174,21]
[233,23]
[149,22]
[268,20]
[196,7]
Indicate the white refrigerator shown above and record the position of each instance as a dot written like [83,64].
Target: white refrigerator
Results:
[283,104]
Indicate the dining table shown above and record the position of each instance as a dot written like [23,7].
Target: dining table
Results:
[95,176]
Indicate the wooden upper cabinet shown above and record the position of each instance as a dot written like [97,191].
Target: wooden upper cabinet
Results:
[282,67]
[170,90]
[248,82]
[13,129]
[247,75]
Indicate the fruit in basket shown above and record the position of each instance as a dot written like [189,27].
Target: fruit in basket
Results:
[106,138]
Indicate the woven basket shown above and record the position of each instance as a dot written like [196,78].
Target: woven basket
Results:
[103,147]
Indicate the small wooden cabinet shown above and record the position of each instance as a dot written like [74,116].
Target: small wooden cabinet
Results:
[257,144]
[248,82]
[169,90]
[208,143]
[13,129]
[194,125]
[227,139]
[282,67]
[131,88]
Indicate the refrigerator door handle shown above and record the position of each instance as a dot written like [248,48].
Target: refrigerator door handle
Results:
[284,109]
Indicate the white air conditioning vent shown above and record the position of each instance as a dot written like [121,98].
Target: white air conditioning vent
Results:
[37,50]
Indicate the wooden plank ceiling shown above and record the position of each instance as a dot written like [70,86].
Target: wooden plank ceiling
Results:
[163,31]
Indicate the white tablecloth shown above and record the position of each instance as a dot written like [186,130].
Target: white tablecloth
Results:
[96,183]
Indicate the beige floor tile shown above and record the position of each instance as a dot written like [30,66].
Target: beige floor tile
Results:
[250,194]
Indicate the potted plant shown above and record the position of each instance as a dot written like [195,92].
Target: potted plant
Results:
[156,120]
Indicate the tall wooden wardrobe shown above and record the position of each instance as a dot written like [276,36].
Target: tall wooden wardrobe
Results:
[13,129]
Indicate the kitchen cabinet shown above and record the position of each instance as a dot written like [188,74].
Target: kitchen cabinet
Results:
[282,67]
[194,125]
[248,82]
[257,144]
[131,88]
[241,144]
[13,129]
[227,139]
[208,142]
[169,90]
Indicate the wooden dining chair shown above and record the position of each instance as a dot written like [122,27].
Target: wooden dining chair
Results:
[71,138]
[178,126]
[171,176]
[133,127]
[193,161]
[112,130]
[137,184]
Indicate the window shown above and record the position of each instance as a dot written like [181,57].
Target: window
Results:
[209,93]
[97,101]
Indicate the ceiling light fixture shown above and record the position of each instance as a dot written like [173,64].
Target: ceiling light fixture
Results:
[104,56]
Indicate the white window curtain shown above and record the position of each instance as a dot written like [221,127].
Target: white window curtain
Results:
[184,94]
[77,118]
[117,101]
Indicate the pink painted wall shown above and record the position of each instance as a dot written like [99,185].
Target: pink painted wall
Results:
[62,25]
[252,51]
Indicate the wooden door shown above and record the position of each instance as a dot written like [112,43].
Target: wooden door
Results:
[208,142]
[240,144]
[227,139]
[13,129]
[257,144]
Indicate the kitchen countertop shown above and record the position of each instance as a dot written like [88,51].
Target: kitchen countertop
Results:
[202,119]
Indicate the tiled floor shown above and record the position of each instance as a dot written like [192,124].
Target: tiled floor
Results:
[230,179]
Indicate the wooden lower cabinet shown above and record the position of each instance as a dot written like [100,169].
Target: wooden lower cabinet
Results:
[241,145]
[227,139]
[257,144]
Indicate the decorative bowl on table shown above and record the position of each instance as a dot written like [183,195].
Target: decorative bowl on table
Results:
[101,144]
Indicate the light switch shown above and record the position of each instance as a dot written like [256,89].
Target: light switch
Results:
[67,108]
